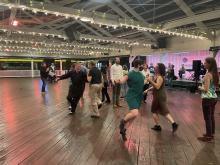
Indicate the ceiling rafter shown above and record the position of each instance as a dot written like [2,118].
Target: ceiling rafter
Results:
[89,28]
[188,11]
[196,18]
[138,17]
[66,2]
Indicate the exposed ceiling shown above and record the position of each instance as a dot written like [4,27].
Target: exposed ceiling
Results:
[187,15]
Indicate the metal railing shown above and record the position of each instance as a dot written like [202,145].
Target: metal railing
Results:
[24,73]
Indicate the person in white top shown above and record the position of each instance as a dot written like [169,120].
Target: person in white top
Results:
[146,73]
[116,74]
[124,87]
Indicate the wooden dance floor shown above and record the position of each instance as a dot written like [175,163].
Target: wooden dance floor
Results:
[36,129]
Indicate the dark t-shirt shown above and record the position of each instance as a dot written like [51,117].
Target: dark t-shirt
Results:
[43,72]
[96,76]
[78,80]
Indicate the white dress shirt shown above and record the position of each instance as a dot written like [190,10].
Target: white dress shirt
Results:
[116,72]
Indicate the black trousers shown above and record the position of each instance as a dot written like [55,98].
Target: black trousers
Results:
[105,93]
[146,86]
[208,106]
[43,84]
[73,98]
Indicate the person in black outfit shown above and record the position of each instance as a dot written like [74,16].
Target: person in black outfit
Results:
[43,74]
[105,85]
[182,71]
[171,75]
[72,68]
[78,79]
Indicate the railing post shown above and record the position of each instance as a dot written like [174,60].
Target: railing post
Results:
[32,68]
[61,67]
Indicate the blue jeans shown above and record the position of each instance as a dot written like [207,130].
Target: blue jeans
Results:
[43,84]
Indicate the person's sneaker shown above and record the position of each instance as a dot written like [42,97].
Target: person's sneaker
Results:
[175,127]
[115,106]
[157,128]
[205,139]
[70,108]
[108,102]
[71,113]
[100,106]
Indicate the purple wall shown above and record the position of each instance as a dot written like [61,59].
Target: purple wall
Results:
[180,58]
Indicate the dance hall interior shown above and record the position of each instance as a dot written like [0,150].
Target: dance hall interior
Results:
[110,82]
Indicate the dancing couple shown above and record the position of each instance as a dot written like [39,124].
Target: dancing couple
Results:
[136,80]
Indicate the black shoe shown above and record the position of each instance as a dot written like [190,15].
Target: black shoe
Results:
[123,135]
[122,126]
[175,127]
[100,106]
[157,128]
[206,139]
[205,135]
[95,116]
[108,102]
[123,130]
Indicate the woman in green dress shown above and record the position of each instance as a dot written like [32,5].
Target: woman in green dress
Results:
[159,103]
[134,97]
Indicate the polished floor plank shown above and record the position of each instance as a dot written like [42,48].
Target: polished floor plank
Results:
[36,129]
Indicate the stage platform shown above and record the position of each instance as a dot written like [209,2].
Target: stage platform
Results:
[36,129]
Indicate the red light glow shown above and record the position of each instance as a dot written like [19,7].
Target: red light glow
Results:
[14,23]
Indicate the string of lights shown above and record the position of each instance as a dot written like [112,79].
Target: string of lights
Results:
[4,47]
[60,45]
[129,43]
[101,20]
[92,38]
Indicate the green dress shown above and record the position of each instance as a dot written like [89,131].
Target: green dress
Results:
[134,95]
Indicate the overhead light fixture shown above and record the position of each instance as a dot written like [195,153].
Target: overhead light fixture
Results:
[86,19]
[14,23]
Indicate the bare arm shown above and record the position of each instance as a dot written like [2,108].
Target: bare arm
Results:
[65,76]
[157,84]
[149,89]
[124,79]
[206,84]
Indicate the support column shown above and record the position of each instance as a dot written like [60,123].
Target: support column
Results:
[32,68]
[131,59]
[61,67]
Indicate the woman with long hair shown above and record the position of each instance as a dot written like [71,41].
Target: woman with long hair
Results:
[209,98]
[159,104]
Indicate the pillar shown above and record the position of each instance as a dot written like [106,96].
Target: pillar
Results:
[32,68]
[61,67]
[131,59]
